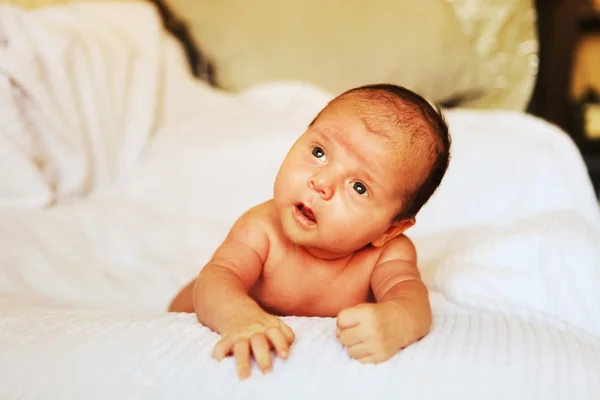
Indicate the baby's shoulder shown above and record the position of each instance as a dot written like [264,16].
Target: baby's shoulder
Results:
[258,218]
[398,248]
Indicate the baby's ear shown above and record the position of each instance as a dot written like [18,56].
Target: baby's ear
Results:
[397,228]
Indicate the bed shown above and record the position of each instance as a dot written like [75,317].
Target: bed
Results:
[110,202]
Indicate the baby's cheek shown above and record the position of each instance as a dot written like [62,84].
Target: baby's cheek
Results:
[285,183]
[295,174]
[351,233]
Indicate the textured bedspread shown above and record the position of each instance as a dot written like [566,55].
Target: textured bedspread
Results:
[119,176]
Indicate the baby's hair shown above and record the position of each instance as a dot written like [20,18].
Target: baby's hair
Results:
[423,122]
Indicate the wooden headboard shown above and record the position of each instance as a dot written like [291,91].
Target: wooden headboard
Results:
[560,24]
[557,35]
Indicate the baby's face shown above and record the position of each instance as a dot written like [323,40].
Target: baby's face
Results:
[340,186]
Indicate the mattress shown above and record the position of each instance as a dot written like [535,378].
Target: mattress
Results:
[120,174]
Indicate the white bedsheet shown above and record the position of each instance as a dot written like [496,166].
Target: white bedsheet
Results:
[119,176]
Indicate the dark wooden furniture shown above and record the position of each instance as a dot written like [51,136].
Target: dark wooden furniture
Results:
[557,34]
[561,23]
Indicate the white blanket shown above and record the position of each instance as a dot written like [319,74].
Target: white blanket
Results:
[119,175]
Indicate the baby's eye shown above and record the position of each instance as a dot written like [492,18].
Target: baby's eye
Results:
[359,188]
[319,153]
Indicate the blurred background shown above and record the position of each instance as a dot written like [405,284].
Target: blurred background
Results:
[568,83]
[536,56]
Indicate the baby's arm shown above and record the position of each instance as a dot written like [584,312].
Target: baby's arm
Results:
[396,280]
[402,314]
[222,303]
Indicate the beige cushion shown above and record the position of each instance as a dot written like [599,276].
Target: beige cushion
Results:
[337,44]
[504,34]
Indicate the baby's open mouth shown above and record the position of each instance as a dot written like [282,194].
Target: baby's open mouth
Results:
[306,212]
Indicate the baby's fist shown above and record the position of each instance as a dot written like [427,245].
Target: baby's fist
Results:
[371,333]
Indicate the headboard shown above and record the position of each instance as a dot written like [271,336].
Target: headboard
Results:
[557,35]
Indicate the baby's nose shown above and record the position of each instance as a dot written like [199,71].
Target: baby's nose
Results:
[322,185]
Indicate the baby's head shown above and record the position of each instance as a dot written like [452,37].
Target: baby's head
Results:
[362,170]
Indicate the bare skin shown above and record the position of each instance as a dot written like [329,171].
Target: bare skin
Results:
[328,244]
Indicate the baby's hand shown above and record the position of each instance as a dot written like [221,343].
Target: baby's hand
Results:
[372,333]
[254,334]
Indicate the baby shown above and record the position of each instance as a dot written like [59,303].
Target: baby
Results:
[330,243]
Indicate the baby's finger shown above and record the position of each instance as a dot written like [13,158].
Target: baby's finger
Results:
[278,340]
[351,336]
[222,348]
[359,351]
[370,359]
[241,352]
[348,318]
[288,333]
[261,351]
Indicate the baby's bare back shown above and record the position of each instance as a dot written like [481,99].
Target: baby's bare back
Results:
[293,282]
